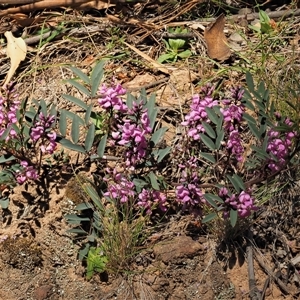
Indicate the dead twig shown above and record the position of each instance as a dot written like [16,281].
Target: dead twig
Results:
[271,274]
[253,290]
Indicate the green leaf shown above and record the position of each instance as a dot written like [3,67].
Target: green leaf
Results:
[210,201]
[260,152]
[81,75]
[207,141]
[89,138]
[209,130]
[68,144]
[233,217]
[101,146]
[76,101]
[139,183]
[234,182]
[208,157]
[88,114]
[129,100]
[213,197]
[254,129]
[75,129]
[220,138]
[176,44]
[250,83]
[185,54]
[94,196]
[96,77]
[152,118]
[63,122]
[4,202]
[209,217]
[6,158]
[153,181]
[5,133]
[162,153]
[249,118]
[95,262]
[212,115]
[84,252]
[150,104]
[239,181]
[83,206]
[158,134]
[165,57]
[75,219]
[43,107]
[77,231]
[80,87]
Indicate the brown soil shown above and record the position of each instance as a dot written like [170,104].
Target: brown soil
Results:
[38,259]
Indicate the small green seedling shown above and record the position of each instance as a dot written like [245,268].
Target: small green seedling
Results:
[264,24]
[175,48]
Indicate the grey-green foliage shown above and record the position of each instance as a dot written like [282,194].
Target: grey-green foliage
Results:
[91,124]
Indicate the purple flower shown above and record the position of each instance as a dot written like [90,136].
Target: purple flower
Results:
[26,173]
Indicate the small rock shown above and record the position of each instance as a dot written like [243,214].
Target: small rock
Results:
[179,247]
[43,292]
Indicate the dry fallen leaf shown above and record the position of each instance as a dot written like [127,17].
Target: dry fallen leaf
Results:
[216,41]
[16,51]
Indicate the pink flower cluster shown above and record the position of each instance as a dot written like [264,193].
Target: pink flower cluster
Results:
[148,199]
[8,116]
[133,125]
[41,131]
[233,114]
[25,173]
[131,128]
[243,203]
[279,146]
[198,114]
[110,97]
[188,192]
[119,187]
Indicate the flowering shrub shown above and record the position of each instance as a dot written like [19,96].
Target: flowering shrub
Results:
[25,138]
[220,170]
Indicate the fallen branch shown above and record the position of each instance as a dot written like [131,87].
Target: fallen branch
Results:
[253,290]
[271,274]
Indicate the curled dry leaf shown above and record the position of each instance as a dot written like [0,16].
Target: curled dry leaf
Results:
[216,41]
[16,51]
